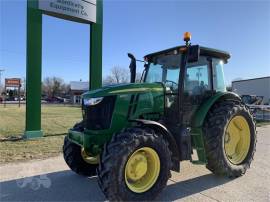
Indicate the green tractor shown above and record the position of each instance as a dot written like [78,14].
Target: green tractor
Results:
[132,135]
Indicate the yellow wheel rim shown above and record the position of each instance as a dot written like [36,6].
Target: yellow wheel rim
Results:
[89,159]
[142,170]
[237,140]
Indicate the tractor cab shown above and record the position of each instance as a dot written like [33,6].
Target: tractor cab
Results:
[190,75]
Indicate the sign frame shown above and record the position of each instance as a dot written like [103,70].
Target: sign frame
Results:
[75,10]
[34,60]
[13,82]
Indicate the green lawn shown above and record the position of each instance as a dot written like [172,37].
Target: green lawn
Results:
[56,120]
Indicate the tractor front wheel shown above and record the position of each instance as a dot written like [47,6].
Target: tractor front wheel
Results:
[78,160]
[230,139]
[135,165]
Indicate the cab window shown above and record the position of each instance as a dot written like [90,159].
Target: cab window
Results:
[218,75]
[197,79]
[154,73]
[165,69]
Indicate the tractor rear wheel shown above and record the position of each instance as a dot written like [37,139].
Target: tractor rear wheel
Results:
[230,138]
[135,165]
[78,160]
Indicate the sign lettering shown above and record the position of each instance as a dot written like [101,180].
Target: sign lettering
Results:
[83,9]
[14,82]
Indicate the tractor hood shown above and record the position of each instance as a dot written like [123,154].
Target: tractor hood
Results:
[118,89]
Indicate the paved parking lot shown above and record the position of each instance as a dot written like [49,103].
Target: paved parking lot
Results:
[51,180]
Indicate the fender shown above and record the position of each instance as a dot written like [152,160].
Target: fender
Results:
[200,115]
[198,121]
[156,126]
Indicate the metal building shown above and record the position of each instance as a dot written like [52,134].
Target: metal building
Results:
[256,86]
[76,89]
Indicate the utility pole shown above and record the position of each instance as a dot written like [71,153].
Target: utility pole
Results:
[1,71]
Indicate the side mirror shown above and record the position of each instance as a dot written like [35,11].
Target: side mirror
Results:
[193,53]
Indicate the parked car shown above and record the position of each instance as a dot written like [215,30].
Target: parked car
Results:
[54,100]
[10,98]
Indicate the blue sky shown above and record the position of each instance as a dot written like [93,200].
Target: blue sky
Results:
[141,27]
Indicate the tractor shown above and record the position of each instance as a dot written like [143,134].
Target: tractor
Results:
[133,135]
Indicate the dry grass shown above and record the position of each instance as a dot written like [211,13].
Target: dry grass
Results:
[23,150]
[56,120]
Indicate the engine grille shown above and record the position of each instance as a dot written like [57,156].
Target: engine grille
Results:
[98,117]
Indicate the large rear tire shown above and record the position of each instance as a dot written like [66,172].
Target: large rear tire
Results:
[73,155]
[230,138]
[135,165]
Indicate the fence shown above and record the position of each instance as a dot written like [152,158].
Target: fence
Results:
[261,112]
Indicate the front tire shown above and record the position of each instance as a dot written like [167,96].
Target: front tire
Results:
[230,138]
[73,155]
[135,165]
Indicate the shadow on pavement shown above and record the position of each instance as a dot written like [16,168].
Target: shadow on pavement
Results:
[192,186]
[58,186]
[68,186]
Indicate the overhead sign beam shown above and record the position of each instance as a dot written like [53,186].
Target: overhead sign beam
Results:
[83,11]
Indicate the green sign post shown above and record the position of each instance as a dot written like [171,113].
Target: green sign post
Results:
[89,12]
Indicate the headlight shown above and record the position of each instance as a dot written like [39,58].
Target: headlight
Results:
[92,101]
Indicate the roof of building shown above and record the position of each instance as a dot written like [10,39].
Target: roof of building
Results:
[203,51]
[79,85]
[265,77]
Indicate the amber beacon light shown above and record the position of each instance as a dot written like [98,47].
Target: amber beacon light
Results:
[187,36]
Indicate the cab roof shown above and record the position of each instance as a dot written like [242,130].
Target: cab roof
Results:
[203,51]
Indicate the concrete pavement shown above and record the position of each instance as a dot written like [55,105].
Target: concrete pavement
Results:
[51,180]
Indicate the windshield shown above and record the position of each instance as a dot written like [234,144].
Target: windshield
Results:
[164,69]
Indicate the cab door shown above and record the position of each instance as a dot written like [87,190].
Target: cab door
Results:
[171,85]
[197,87]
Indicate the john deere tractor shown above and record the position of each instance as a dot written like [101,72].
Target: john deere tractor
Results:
[132,135]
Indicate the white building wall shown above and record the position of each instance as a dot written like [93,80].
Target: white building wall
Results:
[258,87]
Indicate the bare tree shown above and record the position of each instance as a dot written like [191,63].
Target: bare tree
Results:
[52,86]
[118,75]
[65,89]
[138,77]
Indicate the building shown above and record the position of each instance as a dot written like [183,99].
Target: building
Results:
[77,88]
[256,86]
